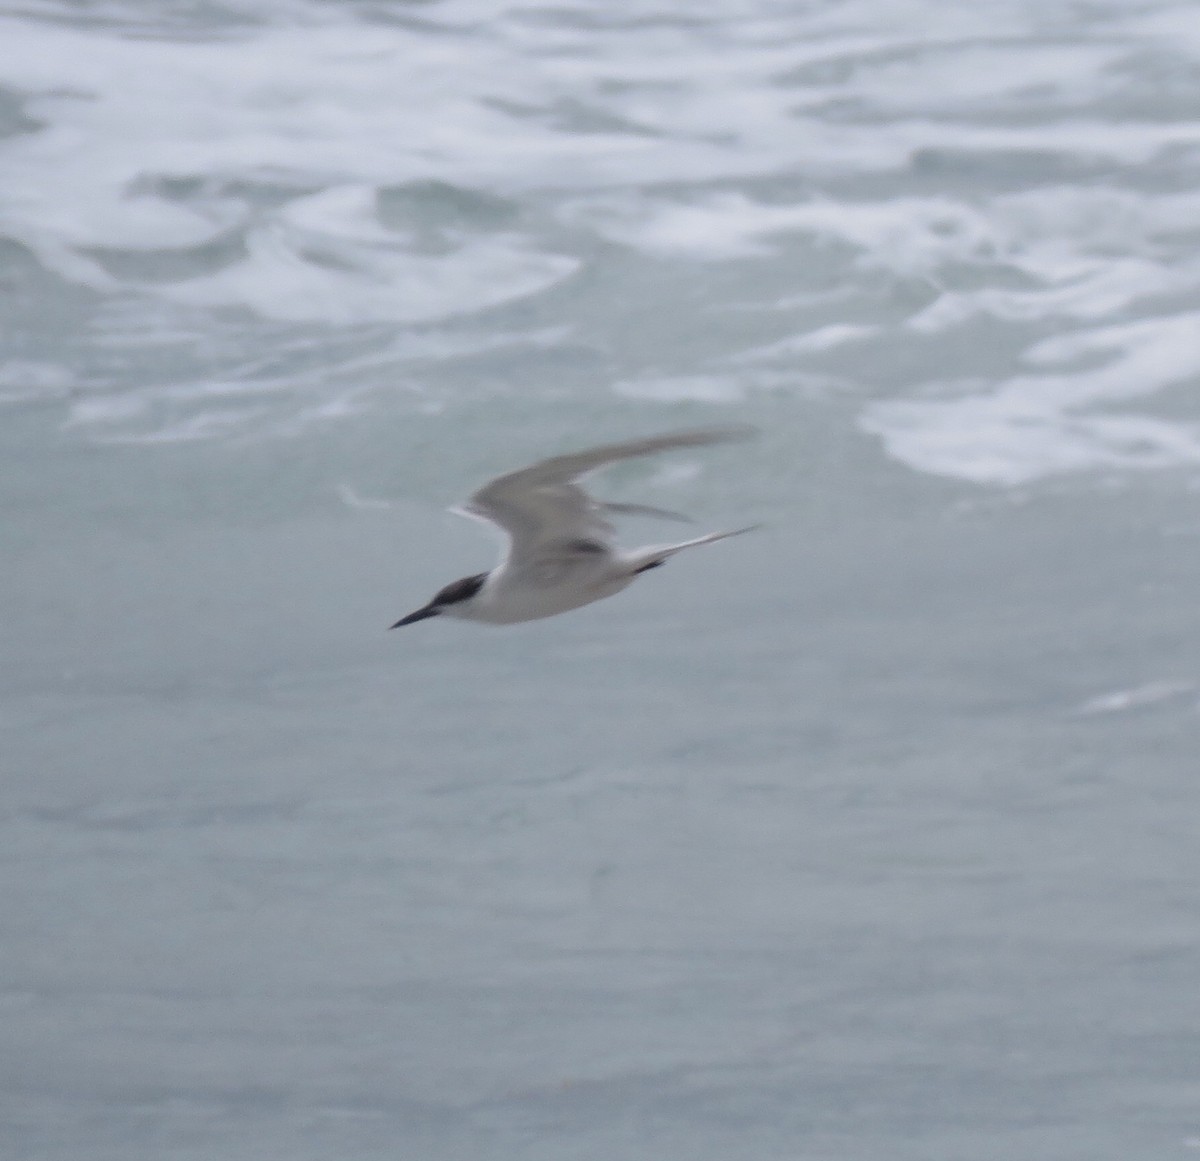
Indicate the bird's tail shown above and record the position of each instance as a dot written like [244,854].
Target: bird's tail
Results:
[643,558]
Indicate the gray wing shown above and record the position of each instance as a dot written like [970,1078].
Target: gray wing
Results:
[542,506]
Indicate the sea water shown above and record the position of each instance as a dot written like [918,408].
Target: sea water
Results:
[870,836]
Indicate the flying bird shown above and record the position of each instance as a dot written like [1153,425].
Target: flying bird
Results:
[561,551]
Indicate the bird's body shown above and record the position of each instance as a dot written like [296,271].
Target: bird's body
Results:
[561,553]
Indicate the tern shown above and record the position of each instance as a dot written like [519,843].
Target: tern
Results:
[561,551]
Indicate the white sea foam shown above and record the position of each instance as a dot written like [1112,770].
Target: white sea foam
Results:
[880,177]
[335,106]
[1136,697]
[1036,425]
[1084,254]
[824,338]
[327,258]
[910,235]
[327,114]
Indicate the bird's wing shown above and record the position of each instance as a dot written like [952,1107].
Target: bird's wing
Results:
[543,503]
[642,510]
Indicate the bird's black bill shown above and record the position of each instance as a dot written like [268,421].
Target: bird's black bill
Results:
[419,615]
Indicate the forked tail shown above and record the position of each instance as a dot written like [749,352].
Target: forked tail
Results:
[644,558]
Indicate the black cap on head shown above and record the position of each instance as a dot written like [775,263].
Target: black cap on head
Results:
[459,590]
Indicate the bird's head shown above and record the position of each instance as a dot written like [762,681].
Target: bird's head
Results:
[446,599]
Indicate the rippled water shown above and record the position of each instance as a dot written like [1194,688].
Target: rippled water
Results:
[869,836]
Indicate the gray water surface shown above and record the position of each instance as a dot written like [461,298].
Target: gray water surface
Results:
[872,835]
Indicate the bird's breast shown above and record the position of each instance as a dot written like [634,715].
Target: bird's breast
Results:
[545,588]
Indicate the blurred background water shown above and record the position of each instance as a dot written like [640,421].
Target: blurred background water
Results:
[870,836]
